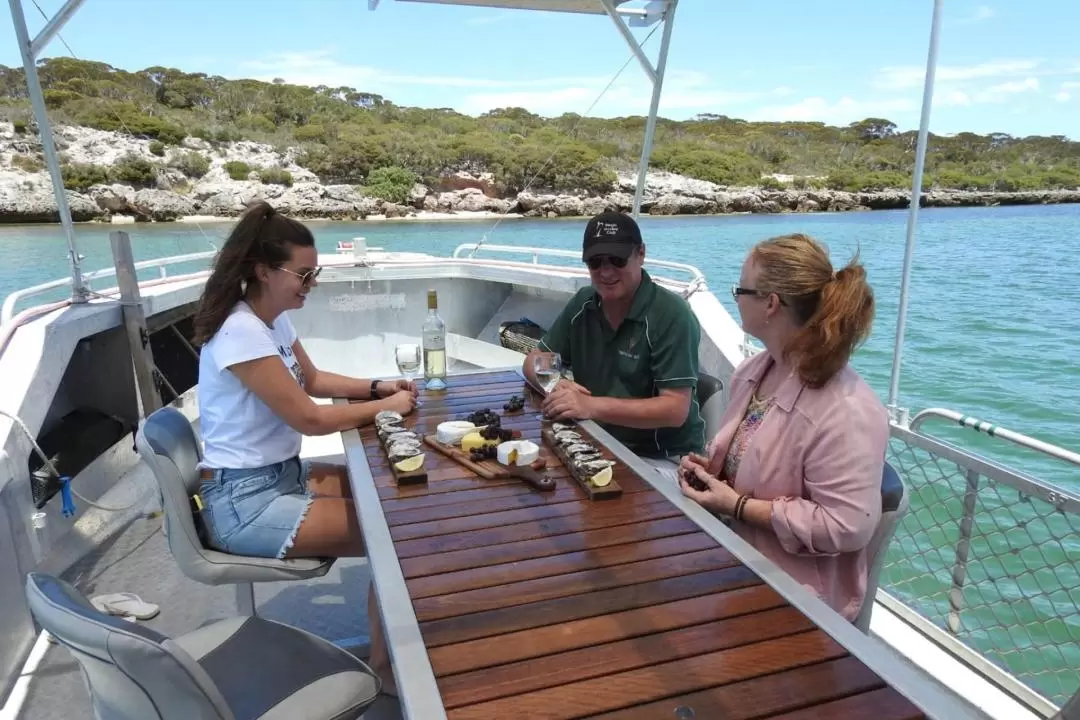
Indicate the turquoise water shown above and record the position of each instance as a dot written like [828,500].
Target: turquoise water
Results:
[993,319]
[993,323]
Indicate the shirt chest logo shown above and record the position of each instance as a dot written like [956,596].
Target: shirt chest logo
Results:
[628,351]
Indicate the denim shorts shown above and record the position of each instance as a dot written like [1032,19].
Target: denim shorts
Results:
[256,511]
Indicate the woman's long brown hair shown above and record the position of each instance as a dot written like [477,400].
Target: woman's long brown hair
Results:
[261,236]
[835,310]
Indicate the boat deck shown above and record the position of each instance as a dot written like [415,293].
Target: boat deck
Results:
[137,560]
[503,601]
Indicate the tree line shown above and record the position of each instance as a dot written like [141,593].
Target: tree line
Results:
[354,137]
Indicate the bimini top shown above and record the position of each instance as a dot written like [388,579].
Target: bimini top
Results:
[594,7]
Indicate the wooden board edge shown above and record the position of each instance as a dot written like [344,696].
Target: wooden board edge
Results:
[458,456]
[611,490]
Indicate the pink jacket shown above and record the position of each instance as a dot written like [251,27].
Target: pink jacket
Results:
[819,455]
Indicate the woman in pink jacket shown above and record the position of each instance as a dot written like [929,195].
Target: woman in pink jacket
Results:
[798,460]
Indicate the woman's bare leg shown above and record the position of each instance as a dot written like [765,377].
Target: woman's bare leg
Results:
[331,529]
[329,480]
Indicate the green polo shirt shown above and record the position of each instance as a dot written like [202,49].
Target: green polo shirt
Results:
[655,347]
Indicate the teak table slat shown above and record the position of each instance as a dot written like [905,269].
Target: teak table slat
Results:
[551,605]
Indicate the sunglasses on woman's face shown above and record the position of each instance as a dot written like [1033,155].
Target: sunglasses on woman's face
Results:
[597,261]
[305,278]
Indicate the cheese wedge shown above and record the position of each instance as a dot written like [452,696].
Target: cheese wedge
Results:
[452,432]
[476,440]
[518,452]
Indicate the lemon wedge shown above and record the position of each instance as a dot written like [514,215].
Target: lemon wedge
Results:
[602,478]
[415,463]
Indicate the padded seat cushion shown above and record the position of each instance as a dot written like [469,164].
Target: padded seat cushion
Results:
[269,671]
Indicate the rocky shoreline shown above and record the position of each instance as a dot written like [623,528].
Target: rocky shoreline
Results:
[26,194]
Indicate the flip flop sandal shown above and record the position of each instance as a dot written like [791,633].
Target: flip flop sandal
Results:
[127,605]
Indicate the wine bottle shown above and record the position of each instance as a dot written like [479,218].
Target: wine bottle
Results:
[434,342]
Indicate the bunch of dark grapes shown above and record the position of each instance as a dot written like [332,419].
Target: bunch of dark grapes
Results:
[487,452]
[494,432]
[515,404]
[484,417]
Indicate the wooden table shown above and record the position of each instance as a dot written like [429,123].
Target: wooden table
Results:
[504,602]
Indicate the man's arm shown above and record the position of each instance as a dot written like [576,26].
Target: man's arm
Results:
[555,340]
[668,409]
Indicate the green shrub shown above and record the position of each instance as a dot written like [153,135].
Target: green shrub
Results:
[392,184]
[192,164]
[276,176]
[27,163]
[157,148]
[237,170]
[132,170]
[80,176]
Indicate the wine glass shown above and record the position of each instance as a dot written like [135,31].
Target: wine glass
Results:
[408,358]
[548,370]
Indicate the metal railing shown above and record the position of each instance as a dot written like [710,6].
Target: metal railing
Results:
[7,311]
[697,279]
[987,562]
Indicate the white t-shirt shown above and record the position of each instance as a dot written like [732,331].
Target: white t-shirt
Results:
[238,429]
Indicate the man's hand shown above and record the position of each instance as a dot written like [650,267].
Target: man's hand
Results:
[386,388]
[568,401]
[570,384]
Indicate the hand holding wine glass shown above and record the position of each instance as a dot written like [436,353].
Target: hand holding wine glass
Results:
[409,359]
[547,367]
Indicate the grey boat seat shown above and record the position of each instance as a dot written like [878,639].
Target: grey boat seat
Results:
[168,444]
[240,668]
[894,505]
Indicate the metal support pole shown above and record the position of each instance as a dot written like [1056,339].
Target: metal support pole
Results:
[630,40]
[37,101]
[53,26]
[654,106]
[916,194]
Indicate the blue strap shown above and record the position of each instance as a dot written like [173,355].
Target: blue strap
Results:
[68,507]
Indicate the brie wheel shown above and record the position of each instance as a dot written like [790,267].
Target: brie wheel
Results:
[451,432]
[527,452]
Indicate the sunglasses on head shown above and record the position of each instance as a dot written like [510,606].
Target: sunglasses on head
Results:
[305,278]
[597,261]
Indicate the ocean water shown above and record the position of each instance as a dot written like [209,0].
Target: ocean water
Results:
[993,326]
[993,331]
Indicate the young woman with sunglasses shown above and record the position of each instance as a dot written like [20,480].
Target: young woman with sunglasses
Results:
[256,385]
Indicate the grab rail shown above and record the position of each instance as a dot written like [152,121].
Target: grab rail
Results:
[697,278]
[7,312]
[968,421]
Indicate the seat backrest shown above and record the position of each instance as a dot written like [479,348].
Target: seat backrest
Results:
[894,505]
[168,444]
[710,396]
[131,671]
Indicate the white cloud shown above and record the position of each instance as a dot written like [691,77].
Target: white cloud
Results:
[843,111]
[1064,94]
[981,14]
[318,67]
[912,76]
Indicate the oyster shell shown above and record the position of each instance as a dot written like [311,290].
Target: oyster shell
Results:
[560,427]
[385,416]
[402,435]
[594,466]
[566,437]
[578,449]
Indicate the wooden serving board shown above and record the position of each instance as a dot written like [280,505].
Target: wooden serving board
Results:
[414,477]
[488,469]
[611,490]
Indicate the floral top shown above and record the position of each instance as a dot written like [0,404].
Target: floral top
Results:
[755,413]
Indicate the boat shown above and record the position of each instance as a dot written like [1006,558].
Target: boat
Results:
[91,367]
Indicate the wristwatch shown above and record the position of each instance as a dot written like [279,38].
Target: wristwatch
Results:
[374,392]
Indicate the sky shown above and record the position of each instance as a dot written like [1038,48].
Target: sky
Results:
[1009,66]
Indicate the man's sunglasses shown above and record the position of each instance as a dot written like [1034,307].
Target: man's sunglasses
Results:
[597,261]
[305,278]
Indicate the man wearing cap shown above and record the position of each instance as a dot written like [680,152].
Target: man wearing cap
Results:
[633,349]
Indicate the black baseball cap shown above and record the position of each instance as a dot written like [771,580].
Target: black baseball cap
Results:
[610,233]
